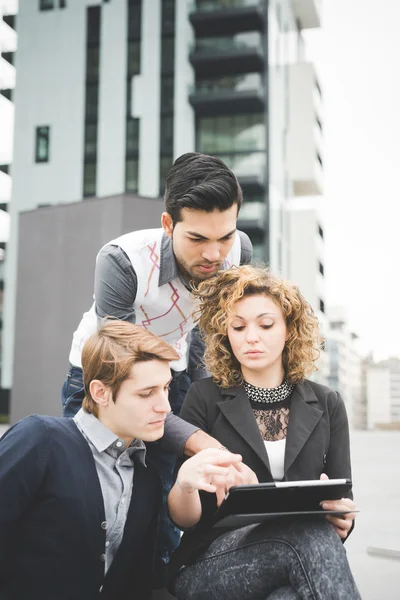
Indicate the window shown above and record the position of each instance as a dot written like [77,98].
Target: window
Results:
[321,305]
[165,165]
[134,18]
[7,94]
[168,15]
[167,57]
[320,231]
[92,63]
[236,133]
[46,4]
[132,136]
[319,159]
[167,94]
[42,146]
[167,134]
[92,102]
[131,175]
[89,179]
[90,140]
[321,268]
[63,3]
[133,58]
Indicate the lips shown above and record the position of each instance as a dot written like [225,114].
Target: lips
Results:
[254,352]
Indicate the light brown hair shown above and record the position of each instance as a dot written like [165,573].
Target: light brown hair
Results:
[217,297]
[109,354]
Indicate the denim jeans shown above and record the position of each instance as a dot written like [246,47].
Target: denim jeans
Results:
[72,395]
[298,558]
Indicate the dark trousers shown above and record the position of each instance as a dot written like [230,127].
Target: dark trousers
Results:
[72,394]
[298,558]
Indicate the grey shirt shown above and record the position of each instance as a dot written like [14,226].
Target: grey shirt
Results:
[115,469]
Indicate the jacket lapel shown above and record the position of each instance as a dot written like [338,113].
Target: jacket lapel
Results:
[238,412]
[303,418]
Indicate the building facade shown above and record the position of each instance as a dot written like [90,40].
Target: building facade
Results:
[345,373]
[382,393]
[126,86]
[8,46]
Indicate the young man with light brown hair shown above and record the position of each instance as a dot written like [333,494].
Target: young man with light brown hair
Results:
[79,500]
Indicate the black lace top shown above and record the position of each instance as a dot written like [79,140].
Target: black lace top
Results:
[271,407]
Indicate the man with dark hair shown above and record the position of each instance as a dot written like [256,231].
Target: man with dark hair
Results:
[145,277]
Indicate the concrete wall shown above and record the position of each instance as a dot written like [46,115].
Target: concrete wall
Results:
[57,250]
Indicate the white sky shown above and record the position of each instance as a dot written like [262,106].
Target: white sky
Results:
[357,55]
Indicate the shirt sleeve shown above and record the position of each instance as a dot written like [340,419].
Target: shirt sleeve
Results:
[246,248]
[24,452]
[115,285]
[196,366]
[176,434]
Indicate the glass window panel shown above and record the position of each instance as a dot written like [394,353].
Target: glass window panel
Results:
[93,25]
[90,139]
[46,4]
[168,14]
[89,179]
[167,94]
[133,58]
[92,101]
[42,144]
[132,135]
[92,62]
[134,18]
[131,175]
[167,54]
[165,165]
[167,134]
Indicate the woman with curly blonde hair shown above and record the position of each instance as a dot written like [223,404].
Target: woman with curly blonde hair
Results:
[262,341]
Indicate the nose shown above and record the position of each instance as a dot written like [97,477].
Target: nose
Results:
[211,252]
[162,405]
[252,335]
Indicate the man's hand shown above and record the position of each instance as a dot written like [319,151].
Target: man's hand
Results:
[203,470]
[239,474]
[342,523]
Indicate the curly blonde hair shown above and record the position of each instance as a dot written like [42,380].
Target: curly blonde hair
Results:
[217,297]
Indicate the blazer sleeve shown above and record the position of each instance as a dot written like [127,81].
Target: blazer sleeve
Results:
[194,408]
[338,463]
[23,461]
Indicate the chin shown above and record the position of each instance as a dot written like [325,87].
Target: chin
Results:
[154,435]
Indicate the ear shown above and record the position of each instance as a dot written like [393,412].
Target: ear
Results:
[100,393]
[167,224]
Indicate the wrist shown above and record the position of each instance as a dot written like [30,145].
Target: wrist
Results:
[185,488]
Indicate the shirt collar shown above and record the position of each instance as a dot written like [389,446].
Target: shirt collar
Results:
[168,265]
[103,438]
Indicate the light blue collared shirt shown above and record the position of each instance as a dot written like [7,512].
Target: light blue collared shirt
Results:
[115,468]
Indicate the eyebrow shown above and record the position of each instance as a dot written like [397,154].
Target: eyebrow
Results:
[151,387]
[266,314]
[202,237]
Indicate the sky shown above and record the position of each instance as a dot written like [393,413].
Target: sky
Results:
[357,56]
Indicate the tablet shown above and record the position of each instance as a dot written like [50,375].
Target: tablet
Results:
[246,504]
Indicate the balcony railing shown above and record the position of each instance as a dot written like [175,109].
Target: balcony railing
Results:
[211,5]
[228,94]
[228,45]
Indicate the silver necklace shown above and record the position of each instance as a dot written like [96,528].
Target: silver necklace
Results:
[268,395]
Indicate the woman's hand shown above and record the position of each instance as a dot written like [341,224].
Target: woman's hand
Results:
[341,523]
[198,472]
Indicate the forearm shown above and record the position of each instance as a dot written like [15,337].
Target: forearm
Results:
[200,441]
[184,507]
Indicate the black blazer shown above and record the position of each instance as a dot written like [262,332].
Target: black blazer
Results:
[51,511]
[317,442]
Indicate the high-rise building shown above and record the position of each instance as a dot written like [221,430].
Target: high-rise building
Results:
[8,46]
[382,391]
[112,91]
[346,365]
